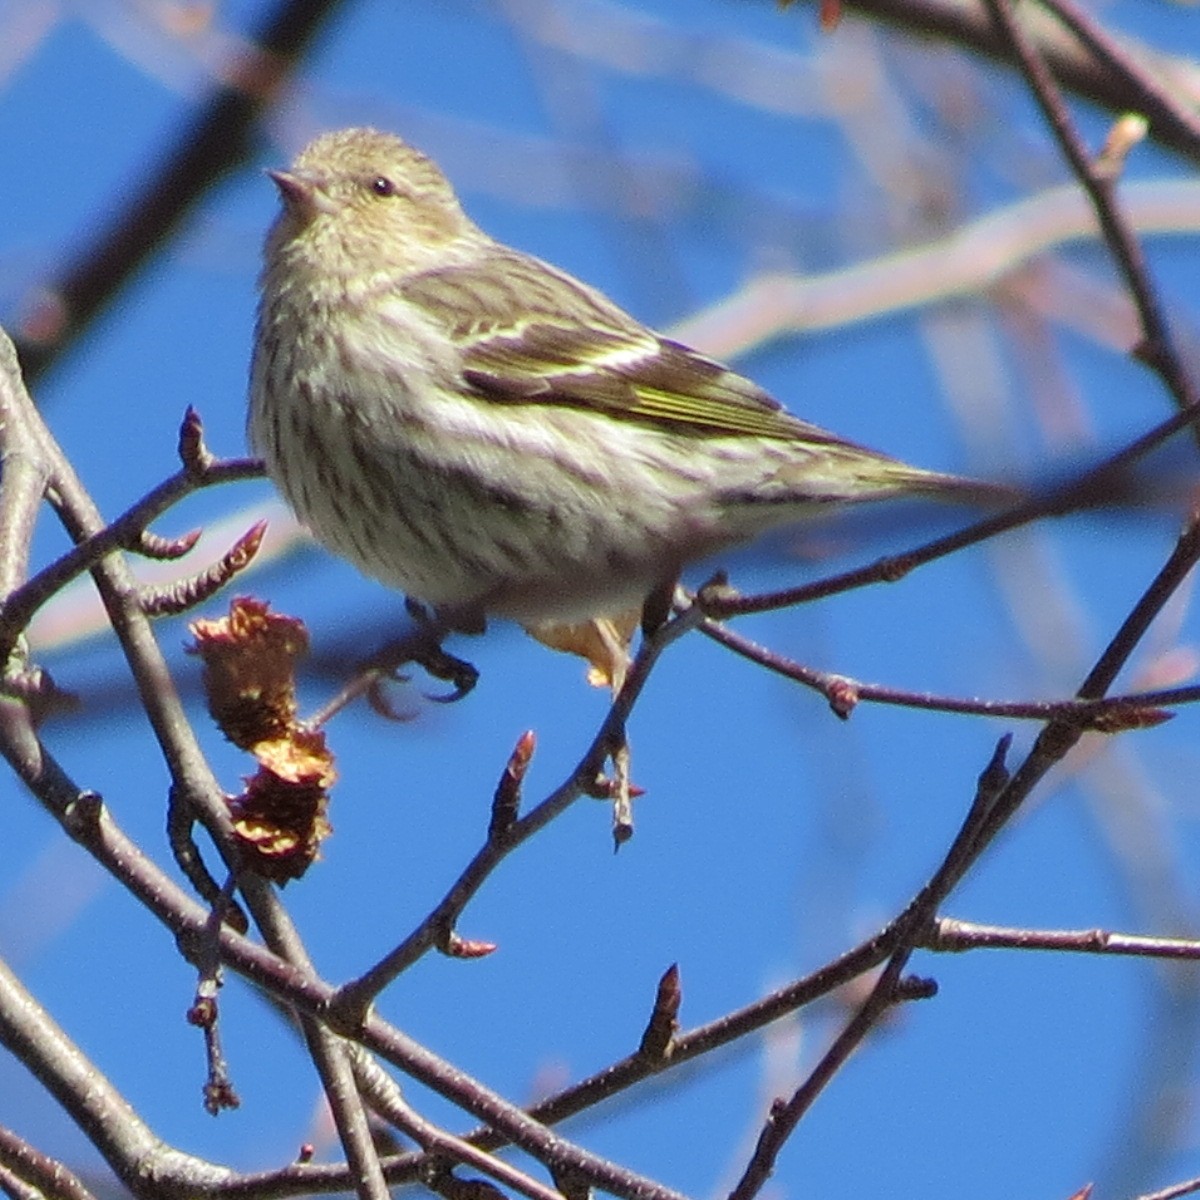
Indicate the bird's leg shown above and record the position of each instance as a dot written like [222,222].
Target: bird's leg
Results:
[427,652]
[615,652]
[423,646]
[656,608]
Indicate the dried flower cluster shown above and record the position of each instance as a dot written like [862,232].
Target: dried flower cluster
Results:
[249,680]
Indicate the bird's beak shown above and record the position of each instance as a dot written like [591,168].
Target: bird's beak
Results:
[300,191]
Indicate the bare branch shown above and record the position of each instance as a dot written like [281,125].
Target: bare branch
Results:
[948,934]
[1116,714]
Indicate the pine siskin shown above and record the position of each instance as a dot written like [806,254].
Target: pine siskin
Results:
[490,435]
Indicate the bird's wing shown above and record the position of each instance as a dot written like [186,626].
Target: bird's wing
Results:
[529,333]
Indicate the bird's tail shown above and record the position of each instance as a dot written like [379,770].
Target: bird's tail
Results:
[955,489]
[849,474]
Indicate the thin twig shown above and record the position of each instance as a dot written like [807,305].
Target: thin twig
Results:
[1114,714]
[24,473]
[386,1099]
[949,935]
[1059,737]
[686,1047]
[20,606]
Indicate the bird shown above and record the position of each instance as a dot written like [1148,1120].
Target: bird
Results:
[494,437]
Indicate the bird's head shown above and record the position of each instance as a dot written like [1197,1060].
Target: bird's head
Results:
[360,200]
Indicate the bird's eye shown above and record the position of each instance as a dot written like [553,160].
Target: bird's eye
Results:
[382,186]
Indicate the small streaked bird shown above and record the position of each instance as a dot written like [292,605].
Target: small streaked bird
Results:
[488,434]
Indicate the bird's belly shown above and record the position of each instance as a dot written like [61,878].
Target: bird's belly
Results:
[487,533]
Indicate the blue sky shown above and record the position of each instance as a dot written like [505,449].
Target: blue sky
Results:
[771,836]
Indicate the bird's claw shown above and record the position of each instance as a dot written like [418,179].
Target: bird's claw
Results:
[456,671]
